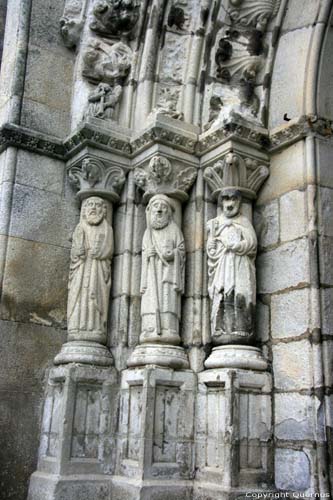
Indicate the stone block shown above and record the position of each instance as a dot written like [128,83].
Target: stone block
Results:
[41,172]
[296,18]
[327,311]
[292,365]
[20,414]
[325,204]
[30,349]
[293,223]
[286,173]
[325,105]
[233,428]
[324,150]
[266,223]
[262,322]
[290,314]
[51,121]
[156,423]
[284,267]
[292,470]
[294,416]
[48,78]
[35,283]
[326,258]
[287,89]
[51,219]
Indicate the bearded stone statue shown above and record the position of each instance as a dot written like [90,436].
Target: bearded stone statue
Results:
[90,273]
[162,278]
[231,249]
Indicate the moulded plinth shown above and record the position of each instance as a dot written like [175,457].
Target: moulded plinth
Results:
[84,352]
[159,354]
[236,356]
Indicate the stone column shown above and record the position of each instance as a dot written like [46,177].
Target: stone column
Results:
[163,264]
[90,268]
[231,252]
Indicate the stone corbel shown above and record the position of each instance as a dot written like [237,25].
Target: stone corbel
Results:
[89,285]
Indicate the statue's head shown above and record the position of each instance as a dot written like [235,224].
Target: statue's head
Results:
[160,210]
[230,200]
[94,210]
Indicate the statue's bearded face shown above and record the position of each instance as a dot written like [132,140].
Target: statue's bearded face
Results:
[160,214]
[95,211]
[231,205]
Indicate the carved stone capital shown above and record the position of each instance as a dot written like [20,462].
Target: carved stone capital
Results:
[160,177]
[93,178]
[234,171]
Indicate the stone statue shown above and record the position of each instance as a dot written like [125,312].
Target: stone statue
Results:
[231,249]
[103,100]
[90,273]
[162,278]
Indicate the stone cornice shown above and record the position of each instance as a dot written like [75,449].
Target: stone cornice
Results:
[198,145]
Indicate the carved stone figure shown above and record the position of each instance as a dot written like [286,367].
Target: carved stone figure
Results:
[115,17]
[162,278]
[90,273]
[106,62]
[71,23]
[103,100]
[231,249]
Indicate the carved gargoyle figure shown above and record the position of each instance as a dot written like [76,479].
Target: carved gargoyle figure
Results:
[103,100]
[115,17]
[231,249]
[90,273]
[70,30]
[162,276]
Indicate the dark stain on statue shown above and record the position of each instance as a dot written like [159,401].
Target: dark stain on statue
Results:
[235,320]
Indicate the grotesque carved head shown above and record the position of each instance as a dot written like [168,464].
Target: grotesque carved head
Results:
[230,200]
[160,210]
[94,210]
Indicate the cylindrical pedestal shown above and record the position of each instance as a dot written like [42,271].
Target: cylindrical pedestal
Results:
[84,352]
[159,354]
[237,356]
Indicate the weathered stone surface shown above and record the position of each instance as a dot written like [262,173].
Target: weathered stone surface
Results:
[286,173]
[292,365]
[327,310]
[35,283]
[284,267]
[326,211]
[292,470]
[288,77]
[266,223]
[293,215]
[293,414]
[290,314]
[40,172]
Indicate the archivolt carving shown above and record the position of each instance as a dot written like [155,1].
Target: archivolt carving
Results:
[115,17]
[106,62]
[254,12]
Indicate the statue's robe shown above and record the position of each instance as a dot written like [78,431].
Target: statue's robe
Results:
[162,284]
[232,276]
[90,280]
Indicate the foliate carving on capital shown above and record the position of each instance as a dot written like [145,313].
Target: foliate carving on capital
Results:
[94,178]
[115,18]
[245,174]
[161,178]
[254,13]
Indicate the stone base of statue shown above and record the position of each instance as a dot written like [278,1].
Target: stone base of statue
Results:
[159,354]
[155,437]
[84,352]
[233,433]
[236,356]
[78,437]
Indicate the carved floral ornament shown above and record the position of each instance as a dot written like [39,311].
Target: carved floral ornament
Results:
[254,13]
[244,174]
[93,178]
[161,178]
